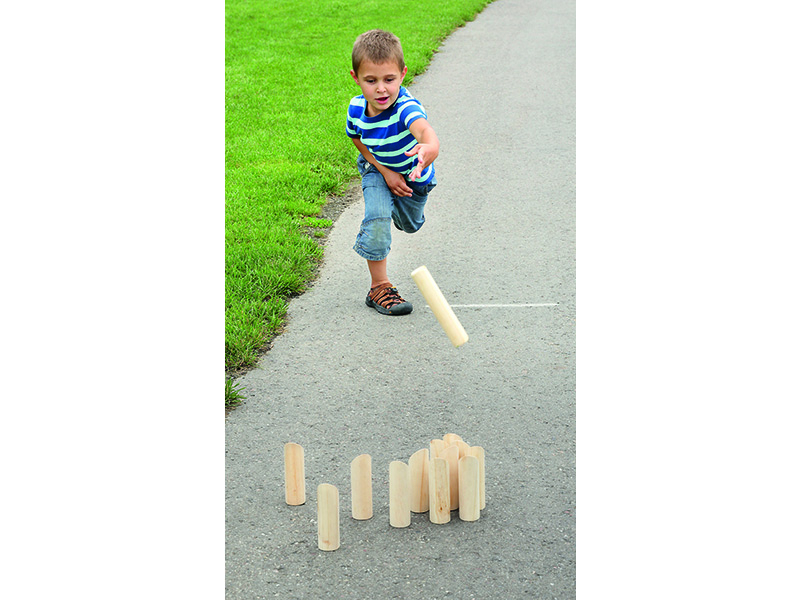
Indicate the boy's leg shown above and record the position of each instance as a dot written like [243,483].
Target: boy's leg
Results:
[373,243]
[409,211]
[378,272]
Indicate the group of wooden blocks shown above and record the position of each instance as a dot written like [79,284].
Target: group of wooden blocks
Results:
[449,475]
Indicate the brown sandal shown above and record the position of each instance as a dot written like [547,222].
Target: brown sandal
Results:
[385,299]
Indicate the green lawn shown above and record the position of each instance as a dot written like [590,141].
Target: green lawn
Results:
[287,86]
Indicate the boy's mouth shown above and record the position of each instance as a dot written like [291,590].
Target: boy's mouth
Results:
[382,99]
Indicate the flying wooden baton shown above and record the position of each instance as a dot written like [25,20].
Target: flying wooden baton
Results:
[444,314]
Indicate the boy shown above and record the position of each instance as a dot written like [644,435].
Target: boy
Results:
[398,146]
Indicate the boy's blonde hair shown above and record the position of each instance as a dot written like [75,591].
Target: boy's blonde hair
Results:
[379,47]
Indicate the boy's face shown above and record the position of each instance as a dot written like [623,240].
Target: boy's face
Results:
[380,84]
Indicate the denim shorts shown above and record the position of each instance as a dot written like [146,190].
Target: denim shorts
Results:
[381,208]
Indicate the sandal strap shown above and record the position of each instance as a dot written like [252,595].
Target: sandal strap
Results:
[385,295]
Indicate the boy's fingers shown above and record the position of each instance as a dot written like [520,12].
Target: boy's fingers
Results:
[403,190]
[413,151]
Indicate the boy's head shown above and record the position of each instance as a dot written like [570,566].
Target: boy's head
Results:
[378,47]
[378,69]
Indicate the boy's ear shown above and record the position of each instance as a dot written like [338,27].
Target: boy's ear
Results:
[405,70]
[355,77]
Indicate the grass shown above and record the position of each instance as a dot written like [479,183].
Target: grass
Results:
[287,86]
[233,393]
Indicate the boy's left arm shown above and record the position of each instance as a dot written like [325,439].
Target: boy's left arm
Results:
[427,148]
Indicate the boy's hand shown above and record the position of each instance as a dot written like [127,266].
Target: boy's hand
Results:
[396,183]
[425,155]
[426,150]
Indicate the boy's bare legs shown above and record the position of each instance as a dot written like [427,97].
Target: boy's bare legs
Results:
[378,272]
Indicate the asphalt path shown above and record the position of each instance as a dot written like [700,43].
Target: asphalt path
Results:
[343,380]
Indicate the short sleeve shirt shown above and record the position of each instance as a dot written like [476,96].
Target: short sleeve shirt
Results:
[387,136]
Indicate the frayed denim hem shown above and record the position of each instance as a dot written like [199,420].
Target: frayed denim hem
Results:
[364,254]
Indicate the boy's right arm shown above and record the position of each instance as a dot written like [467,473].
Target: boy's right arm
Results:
[394,181]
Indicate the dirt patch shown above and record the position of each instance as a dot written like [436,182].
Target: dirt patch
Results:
[336,205]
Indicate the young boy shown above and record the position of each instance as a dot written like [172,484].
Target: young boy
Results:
[398,146]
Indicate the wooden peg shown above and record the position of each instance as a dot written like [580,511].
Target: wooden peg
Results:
[463,449]
[451,438]
[327,517]
[418,469]
[437,447]
[480,454]
[399,494]
[469,493]
[440,307]
[294,474]
[361,486]
[451,456]
[439,490]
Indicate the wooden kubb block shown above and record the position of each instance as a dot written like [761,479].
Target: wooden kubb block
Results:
[294,474]
[469,493]
[439,491]
[437,447]
[451,456]
[479,453]
[327,517]
[451,438]
[361,487]
[399,494]
[418,471]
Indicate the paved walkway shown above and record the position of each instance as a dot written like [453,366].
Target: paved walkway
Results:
[344,380]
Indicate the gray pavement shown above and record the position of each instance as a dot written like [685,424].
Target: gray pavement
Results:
[343,380]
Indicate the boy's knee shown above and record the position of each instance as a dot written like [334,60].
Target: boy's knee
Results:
[412,227]
[374,239]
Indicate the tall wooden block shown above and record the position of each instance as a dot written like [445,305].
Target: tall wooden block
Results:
[451,438]
[469,493]
[480,454]
[418,469]
[439,491]
[437,447]
[463,449]
[294,474]
[399,494]
[361,486]
[327,517]
[451,456]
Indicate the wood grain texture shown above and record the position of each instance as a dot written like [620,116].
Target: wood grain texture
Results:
[418,472]
[399,494]
[469,494]
[439,491]
[327,517]
[361,487]
[451,456]
[294,474]
[441,309]
[480,454]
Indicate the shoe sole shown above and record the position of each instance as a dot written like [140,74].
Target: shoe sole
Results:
[403,308]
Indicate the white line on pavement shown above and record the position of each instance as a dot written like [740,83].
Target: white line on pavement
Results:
[501,305]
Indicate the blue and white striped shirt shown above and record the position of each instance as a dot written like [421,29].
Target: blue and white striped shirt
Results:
[387,136]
